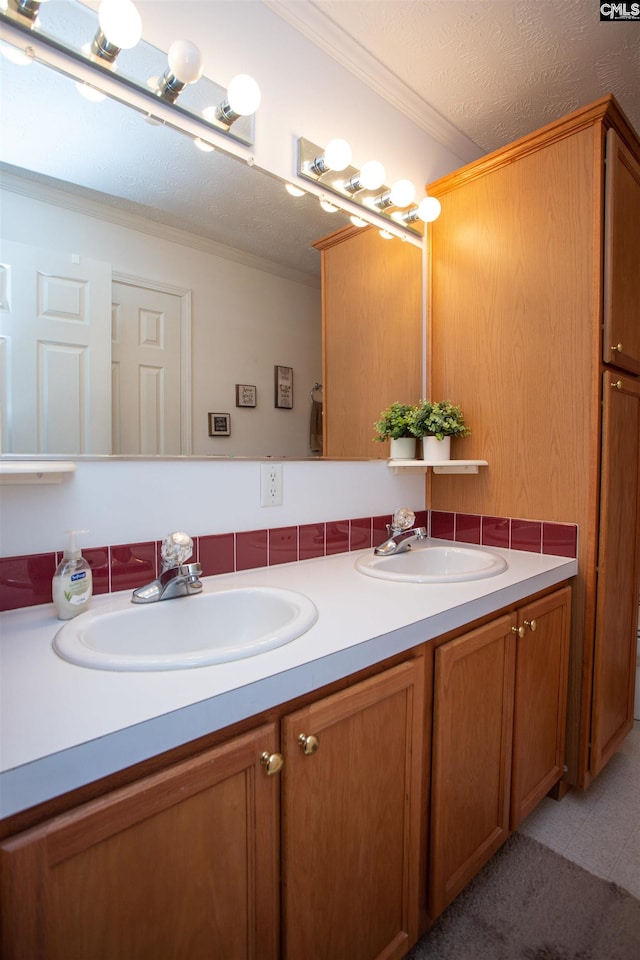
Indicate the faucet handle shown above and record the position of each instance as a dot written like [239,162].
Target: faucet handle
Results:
[176,550]
[403,519]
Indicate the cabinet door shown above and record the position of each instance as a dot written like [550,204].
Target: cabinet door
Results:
[182,864]
[621,345]
[542,657]
[351,820]
[471,767]
[618,570]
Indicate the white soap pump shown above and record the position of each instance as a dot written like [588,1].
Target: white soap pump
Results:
[72,583]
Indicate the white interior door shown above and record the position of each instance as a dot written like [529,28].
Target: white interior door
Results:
[55,385]
[146,365]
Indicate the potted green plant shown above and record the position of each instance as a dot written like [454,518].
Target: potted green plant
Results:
[395,425]
[436,422]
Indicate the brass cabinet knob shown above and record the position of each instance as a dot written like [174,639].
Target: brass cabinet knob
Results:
[309,743]
[519,631]
[532,624]
[616,384]
[272,762]
[617,348]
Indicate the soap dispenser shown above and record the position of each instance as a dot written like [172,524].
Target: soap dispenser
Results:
[72,584]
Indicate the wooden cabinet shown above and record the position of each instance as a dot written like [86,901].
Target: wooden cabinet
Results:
[182,864]
[351,802]
[540,711]
[614,656]
[521,266]
[371,326]
[621,341]
[187,863]
[471,765]
[498,736]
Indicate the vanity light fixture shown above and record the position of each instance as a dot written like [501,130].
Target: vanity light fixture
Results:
[336,156]
[185,66]
[370,177]
[27,9]
[427,210]
[120,28]
[243,99]
[327,206]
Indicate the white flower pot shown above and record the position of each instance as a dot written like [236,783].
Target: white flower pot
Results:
[403,449]
[434,449]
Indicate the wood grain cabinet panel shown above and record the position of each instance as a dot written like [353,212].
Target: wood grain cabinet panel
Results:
[351,821]
[471,766]
[618,569]
[182,864]
[542,658]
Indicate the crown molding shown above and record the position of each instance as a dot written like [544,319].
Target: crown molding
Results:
[316,26]
[77,203]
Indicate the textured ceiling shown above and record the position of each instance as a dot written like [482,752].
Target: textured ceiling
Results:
[495,69]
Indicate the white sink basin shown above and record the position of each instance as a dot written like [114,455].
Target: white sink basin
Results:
[187,631]
[433,564]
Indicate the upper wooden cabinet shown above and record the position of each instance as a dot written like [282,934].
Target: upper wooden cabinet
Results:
[621,342]
[371,335]
[532,257]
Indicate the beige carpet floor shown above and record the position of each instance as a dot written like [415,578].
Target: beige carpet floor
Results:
[530,903]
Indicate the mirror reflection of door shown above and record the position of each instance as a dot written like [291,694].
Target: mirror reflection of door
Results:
[55,390]
[146,366]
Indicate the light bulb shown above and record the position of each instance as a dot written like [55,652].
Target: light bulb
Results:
[385,235]
[120,23]
[203,145]
[429,209]
[15,55]
[90,93]
[372,175]
[293,190]
[243,95]
[337,155]
[185,61]
[328,207]
[402,193]
[358,221]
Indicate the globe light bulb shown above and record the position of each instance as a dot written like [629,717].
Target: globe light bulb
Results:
[358,221]
[293,190]
[328,207]
[429,209]
[402,193]
[372,175]
[337,155]
[243,95]
[120,23]
[185,61]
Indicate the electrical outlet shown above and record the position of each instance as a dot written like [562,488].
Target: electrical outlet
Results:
[271,484]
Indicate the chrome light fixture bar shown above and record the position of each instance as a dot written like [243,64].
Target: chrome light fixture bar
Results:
[350,184]
[99,74]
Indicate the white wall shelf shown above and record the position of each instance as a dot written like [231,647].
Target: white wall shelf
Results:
[438,466]
[19,472]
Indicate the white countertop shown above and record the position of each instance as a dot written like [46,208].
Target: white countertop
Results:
[63,726]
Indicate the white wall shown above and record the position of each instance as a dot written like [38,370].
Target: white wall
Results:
[305,93]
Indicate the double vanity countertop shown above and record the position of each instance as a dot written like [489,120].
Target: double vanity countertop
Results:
[63,726]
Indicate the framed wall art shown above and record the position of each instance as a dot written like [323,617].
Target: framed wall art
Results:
[246,395]
[219,424]
[283,377]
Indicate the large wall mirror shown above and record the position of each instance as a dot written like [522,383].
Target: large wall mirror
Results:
[147,284]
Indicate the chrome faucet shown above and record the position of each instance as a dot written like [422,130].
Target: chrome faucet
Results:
[177,578]
[402,533]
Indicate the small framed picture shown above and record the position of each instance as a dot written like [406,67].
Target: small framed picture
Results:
[219,424]
[283,377]
[245,395]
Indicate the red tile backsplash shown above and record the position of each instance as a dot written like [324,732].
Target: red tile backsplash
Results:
[26,581]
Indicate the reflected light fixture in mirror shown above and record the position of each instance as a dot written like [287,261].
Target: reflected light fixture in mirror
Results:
[59,40]
[120,28]
[363,187]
